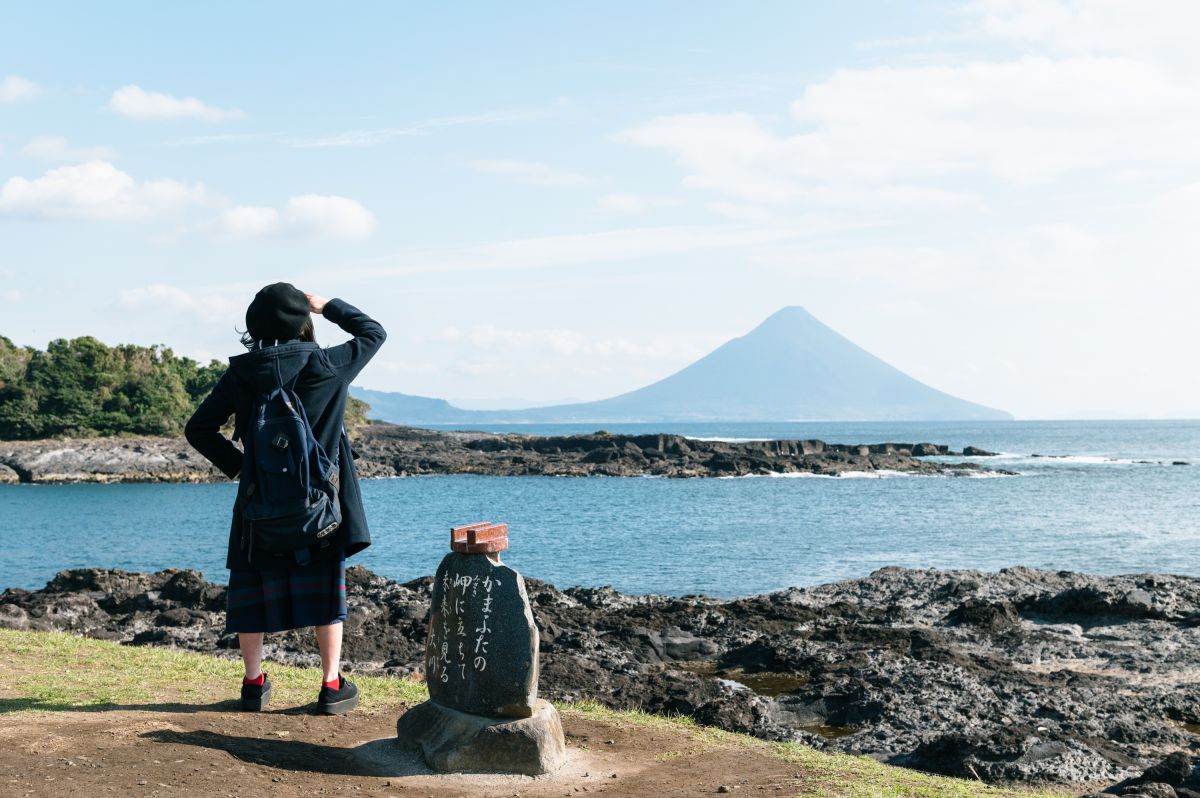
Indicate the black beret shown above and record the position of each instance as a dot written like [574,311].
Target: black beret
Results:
[277,313]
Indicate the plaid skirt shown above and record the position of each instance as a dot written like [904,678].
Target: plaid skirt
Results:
[278,599]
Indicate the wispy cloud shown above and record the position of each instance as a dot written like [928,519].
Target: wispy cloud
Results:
[370,136]
[485,118]
[221,138]
[137,103]
[206,304]
[351,138]
[629,202]
[56,148]
[539,174]
[14,89]
[573,343]
[610,246]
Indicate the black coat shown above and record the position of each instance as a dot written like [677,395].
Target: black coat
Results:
[323,377]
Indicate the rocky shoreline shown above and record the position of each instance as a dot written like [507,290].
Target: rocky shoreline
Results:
[388,450]
[1017,676]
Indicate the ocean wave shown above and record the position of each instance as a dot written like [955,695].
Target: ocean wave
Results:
[1056,459]
[1095,459]
[882,473]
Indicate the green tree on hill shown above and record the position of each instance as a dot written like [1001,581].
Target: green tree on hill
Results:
[18,408]
[82,387]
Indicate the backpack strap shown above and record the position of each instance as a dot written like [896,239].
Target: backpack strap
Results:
[310,440]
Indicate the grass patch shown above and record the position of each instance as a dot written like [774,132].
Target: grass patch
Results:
[57,671]
[54,671]
[863,777]
[823,774]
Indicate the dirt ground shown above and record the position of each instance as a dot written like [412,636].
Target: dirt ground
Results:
[213,750]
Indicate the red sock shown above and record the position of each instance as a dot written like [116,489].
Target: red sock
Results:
[262,677]
[336,684]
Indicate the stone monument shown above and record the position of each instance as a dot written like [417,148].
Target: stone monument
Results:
[481,665]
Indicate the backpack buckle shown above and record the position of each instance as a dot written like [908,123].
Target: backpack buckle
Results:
[281,441]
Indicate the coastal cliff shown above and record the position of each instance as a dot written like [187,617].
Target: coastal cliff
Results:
[388,450]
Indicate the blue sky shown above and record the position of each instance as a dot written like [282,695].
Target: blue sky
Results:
[546,201]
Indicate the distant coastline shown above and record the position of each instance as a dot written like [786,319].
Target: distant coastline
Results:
[388,450]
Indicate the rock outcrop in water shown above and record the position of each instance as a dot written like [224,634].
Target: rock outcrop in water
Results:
[386,450]
[1021,675]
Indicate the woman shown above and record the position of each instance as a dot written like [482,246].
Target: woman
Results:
[270,591]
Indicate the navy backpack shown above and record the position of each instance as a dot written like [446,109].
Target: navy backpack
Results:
[292,496]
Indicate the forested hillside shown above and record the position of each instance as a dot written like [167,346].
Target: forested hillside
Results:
[82,387]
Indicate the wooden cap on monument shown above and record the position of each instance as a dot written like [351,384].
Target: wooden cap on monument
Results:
[483,537]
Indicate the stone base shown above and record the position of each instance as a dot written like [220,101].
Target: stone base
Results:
[453,741]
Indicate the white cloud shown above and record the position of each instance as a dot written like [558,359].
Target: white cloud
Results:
[310,215]
[628,202]
[1026,121]
[728,152]
[248,221]
[14,89]
[530,172]
[328,216]
[137,103]
[1149,29]
[96,190]
[203,304]
[56,148]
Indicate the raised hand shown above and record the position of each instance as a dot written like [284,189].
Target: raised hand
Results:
[316,303]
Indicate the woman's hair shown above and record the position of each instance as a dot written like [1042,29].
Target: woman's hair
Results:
[307,333]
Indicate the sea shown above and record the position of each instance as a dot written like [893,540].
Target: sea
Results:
[1104,497]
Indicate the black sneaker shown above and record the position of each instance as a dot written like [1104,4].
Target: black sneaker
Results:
[339,701]
[256,696]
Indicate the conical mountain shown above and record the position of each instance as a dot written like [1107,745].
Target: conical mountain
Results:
[789,368]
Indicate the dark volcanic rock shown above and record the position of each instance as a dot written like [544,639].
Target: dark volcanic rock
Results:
[394,450]
[974,451]
[387,450]
[992,616]
[1177,773]
[1094,605]
[1021,675]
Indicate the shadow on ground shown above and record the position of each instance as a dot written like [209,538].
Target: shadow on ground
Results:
[43,705]
[383,757]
